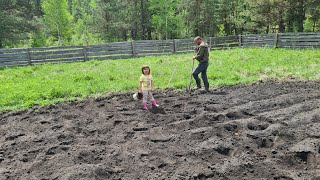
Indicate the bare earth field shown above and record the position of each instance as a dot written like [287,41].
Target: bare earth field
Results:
[267,130]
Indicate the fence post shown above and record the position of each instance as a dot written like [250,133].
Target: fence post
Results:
[85,53]
[240,40]
[133,49]
[29,56]
[174,46]
[276,40]
[210,42]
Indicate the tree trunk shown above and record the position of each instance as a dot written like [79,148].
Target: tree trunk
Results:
[281,26]
[143,20]
[197,14]
[300,16]
[290,25]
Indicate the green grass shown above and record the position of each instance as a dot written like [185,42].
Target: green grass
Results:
[24,87]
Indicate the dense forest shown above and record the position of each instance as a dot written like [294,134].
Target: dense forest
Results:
[37,23]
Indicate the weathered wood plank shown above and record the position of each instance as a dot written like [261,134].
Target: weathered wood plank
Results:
[56,60]
[300,33]
[15,50]
[109,48]
[53,48]
[257,45]
[55,56]
[153,43]
[8,59]
[74,51]
[154,51]
[257,41]
[299,42]
[24,55]
[153,48]
[258,35]
[13,63]
[225,37]
[152,54]
[102,53]
[110,57]
[184,41]
[185,48]
[226,44]
[186,44]
[186,51]
[302,40]
[119,44]
[300,47]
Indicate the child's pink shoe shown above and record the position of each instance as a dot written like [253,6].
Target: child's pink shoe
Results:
[145,106]
[154,103]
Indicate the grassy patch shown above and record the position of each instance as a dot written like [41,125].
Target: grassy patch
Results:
[23,87]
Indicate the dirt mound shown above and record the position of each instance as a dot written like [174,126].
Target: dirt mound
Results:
[266,130]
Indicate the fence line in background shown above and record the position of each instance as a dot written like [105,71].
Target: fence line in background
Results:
[122,50]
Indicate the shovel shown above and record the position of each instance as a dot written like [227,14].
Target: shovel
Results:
[188,89]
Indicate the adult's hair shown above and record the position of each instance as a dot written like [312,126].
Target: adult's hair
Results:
[196,38]
[144,67]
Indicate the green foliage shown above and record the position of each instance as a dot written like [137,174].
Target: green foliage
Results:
[57,19]
[167,18]
[38,39]
[15,22]
[23,87]
[81,22]
[312,22]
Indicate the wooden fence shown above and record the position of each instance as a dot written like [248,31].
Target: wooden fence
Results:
[122,50]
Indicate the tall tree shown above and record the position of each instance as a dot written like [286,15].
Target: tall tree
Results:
[226,10]
[295,15]
[202,18]
[313,15]
[167,18]
[109,19]
[82,11]
[57,19]
[145,20]
[16,21]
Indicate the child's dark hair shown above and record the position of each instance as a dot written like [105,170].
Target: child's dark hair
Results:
[144,67]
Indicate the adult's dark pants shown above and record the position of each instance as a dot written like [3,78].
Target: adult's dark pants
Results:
[202,68]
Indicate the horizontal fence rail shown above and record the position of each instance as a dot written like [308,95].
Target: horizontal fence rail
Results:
[122,50]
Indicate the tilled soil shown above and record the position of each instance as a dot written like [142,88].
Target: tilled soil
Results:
[266,130]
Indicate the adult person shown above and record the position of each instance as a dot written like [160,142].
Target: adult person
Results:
[202,55]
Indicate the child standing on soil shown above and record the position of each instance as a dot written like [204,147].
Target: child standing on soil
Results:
[146,86]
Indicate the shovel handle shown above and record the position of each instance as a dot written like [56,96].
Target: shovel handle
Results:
[191,75]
